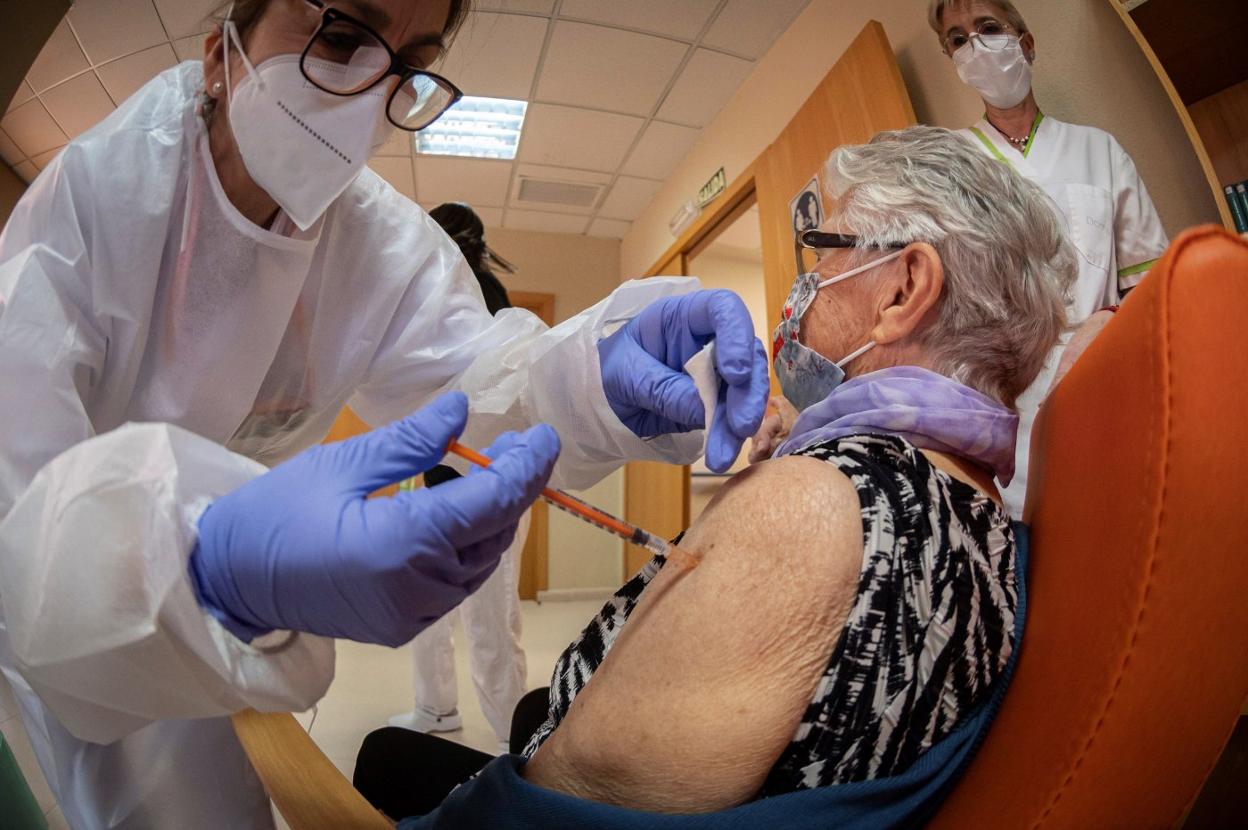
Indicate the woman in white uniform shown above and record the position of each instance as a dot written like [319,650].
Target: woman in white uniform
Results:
[1092,180]
[190,293]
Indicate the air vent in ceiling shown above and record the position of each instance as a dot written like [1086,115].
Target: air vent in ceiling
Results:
[548,192]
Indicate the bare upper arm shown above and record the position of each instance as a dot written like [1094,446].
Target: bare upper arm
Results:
[708,681]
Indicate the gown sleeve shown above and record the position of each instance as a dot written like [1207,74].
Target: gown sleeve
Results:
[99,616]
[515,371]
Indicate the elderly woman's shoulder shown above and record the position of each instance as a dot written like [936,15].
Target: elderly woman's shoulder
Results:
[791,512]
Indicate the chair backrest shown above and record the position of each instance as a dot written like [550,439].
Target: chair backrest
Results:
[1135,660]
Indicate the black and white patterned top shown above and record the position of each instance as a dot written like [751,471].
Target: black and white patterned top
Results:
[931,628]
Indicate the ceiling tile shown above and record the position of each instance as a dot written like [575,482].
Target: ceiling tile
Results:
[475,181]
[190,48]
[748,27]
[496,55]
[122,78]
[110,29]
[23,94]
[536,6]
[186,17]
[78,105]
[490,217]
[26,171]
[628,198]
[398,172]
[585,64]
[660,150]
[683,19]
[705,85]
[398,144]
[32,129]
[532,220]
[60,58]
[41,161]
[569,137]
[10,153]
[609,228]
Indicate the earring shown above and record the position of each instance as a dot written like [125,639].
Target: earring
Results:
[216,88]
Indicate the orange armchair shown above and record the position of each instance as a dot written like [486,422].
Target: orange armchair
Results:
[1134,666]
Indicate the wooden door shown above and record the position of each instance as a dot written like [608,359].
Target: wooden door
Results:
[862,95]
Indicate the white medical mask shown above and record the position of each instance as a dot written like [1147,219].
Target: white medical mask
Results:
[301,144]
[807,377]
[995,66]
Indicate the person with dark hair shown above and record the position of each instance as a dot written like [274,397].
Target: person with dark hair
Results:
[491,616]
[192,291]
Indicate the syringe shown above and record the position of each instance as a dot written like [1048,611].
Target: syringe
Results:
[598,518]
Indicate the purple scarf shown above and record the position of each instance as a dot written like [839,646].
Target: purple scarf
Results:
[929,410]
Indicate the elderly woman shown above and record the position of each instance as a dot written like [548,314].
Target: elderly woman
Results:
[1093,182]
[856,599]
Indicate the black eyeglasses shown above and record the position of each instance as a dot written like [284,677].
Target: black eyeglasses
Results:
[347,57]
[813,246]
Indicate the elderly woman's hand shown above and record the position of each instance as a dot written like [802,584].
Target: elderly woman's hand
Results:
[1082,338]
[775,428]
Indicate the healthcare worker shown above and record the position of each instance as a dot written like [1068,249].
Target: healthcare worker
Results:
[192,290]
[1093,182]
[491,616]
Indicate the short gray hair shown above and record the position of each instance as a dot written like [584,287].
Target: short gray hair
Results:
[1008,264]
[936,8]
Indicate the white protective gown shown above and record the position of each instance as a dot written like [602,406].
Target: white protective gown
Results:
[158,350]
[1111,221]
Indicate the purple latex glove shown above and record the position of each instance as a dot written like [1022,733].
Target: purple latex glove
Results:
[649,391]
[301,547]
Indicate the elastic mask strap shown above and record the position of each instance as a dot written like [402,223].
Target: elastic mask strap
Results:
[856,271]
[230,32]
[841,364]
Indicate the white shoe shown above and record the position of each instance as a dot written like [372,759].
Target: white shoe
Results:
[421,720]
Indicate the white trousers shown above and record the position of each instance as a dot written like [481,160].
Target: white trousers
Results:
[491,619]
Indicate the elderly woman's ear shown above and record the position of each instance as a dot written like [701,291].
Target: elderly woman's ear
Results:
[910,290]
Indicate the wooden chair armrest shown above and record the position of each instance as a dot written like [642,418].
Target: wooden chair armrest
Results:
[307,788]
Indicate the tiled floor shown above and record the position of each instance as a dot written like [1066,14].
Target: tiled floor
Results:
[370,684]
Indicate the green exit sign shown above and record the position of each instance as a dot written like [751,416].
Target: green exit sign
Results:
[717,185]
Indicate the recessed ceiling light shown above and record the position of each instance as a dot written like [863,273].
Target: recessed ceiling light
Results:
[477,127]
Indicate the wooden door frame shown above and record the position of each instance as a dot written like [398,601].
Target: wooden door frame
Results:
[735,202]
[534,575]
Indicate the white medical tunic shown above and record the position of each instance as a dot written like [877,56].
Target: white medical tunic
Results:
[158,350]
[1110,219]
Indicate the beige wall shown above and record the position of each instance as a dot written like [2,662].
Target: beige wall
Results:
[11,189]
[1089,70]
[579,271]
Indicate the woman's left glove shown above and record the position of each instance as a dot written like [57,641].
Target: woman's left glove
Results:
[649,391]
[302,548]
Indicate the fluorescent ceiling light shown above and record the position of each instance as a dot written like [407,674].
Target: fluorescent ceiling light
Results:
[478,127]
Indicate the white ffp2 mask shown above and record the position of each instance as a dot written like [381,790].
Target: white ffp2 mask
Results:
[301,144]
[1002,77]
